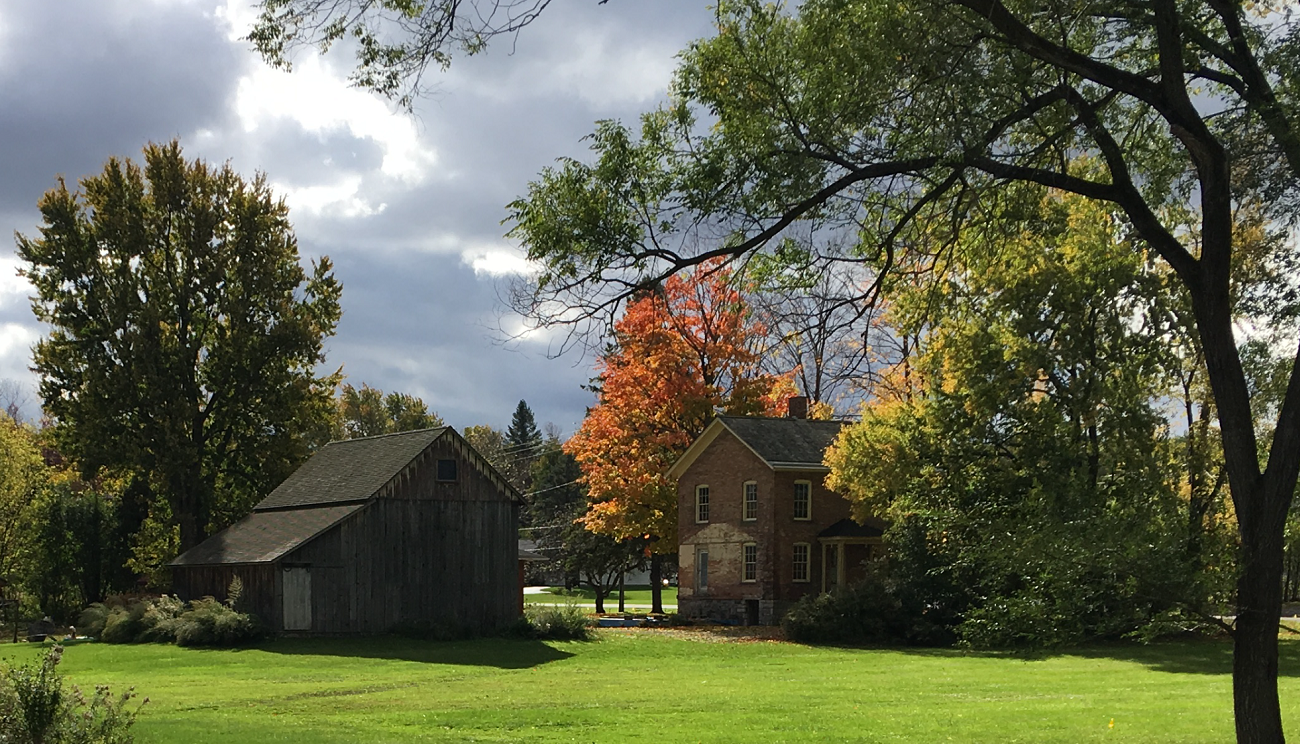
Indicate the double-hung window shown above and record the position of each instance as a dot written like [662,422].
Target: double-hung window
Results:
[803,500]
[749,562]
[801,552]
[701,504]
[750,507]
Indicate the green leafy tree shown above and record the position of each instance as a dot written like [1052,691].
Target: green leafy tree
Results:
[184,333]
[1030,472]
[899,123]
[23,476]
[367,412]
[395,41]
[490,443]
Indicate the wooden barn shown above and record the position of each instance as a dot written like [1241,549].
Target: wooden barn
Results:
[372,534]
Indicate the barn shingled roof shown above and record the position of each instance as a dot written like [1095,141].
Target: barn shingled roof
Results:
[785,441]
[262,537]
[349,470]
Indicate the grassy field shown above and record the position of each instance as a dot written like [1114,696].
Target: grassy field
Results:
[680,689]
[638,595]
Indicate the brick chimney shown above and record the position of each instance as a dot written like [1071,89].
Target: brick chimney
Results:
[797,407]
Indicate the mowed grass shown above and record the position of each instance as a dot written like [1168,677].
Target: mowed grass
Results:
[638,595]
[644,684]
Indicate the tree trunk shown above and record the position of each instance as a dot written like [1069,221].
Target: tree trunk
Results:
[621,605]
[1254,660]
[656,584]
[1262,501]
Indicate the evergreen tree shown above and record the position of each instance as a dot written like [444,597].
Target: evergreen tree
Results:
[523,445]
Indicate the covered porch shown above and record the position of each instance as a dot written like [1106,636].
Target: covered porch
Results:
[846,547]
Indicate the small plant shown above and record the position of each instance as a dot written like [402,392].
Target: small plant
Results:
[36,708]
[557,623]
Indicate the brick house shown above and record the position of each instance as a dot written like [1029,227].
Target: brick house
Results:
[757,528]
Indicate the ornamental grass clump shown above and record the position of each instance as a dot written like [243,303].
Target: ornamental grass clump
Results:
[567,622]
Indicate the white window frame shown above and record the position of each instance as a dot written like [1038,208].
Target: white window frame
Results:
[807,563]
[745,503]
[795,503]
[702,504]
[746,565]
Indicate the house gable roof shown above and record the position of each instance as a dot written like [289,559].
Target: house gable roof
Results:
[781,443]
[263,537]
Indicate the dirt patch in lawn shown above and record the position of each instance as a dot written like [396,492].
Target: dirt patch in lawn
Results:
[711,633]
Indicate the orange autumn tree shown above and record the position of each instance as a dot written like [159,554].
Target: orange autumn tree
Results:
[678,354]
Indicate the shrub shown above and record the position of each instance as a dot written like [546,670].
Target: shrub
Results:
[558,623]
[35,708]
[210,623]
[167,619]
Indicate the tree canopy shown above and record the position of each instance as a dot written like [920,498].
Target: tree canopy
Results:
[184,333]
[367,412]
[906,126]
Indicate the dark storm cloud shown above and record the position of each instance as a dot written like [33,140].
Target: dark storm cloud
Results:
[80,81]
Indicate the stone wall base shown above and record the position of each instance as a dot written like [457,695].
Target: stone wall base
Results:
[733,611]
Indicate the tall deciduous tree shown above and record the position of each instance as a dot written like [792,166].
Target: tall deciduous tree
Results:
[680,353]
[367,412]
[899,121]
[184,333]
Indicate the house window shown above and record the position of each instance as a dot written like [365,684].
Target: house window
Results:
[701,504]
[801,552]
[446,470]
[803,500]
[750,512]
[701,571]
[749,552]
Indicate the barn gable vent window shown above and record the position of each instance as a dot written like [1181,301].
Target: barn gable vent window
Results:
[446,471]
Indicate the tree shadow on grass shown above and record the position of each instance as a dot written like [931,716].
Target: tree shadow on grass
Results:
[1196,656]
[501,653]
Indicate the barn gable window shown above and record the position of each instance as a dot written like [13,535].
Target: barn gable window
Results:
[446,471]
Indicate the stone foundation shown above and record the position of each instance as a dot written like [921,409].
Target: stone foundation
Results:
[733,611]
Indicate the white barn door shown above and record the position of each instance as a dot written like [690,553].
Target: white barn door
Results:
[297,598]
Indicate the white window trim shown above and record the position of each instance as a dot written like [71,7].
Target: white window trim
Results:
[743,563]
[810,500]
[708,506]
[807,564]
[744,501]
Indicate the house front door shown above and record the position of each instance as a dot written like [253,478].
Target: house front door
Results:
[297,598]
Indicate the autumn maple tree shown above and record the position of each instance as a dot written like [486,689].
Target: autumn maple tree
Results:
[678,354]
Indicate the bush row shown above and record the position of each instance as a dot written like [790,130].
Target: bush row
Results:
[166,619]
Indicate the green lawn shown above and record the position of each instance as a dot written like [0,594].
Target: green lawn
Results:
[625,686]
[638,595]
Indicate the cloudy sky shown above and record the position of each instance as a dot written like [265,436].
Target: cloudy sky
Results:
[408,207]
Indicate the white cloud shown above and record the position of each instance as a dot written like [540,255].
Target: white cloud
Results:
[15,342]
[322,103]
[334,200]
[13,288]
[497,261]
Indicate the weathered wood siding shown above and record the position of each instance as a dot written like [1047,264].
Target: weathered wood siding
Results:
[261,587]
[424,552]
